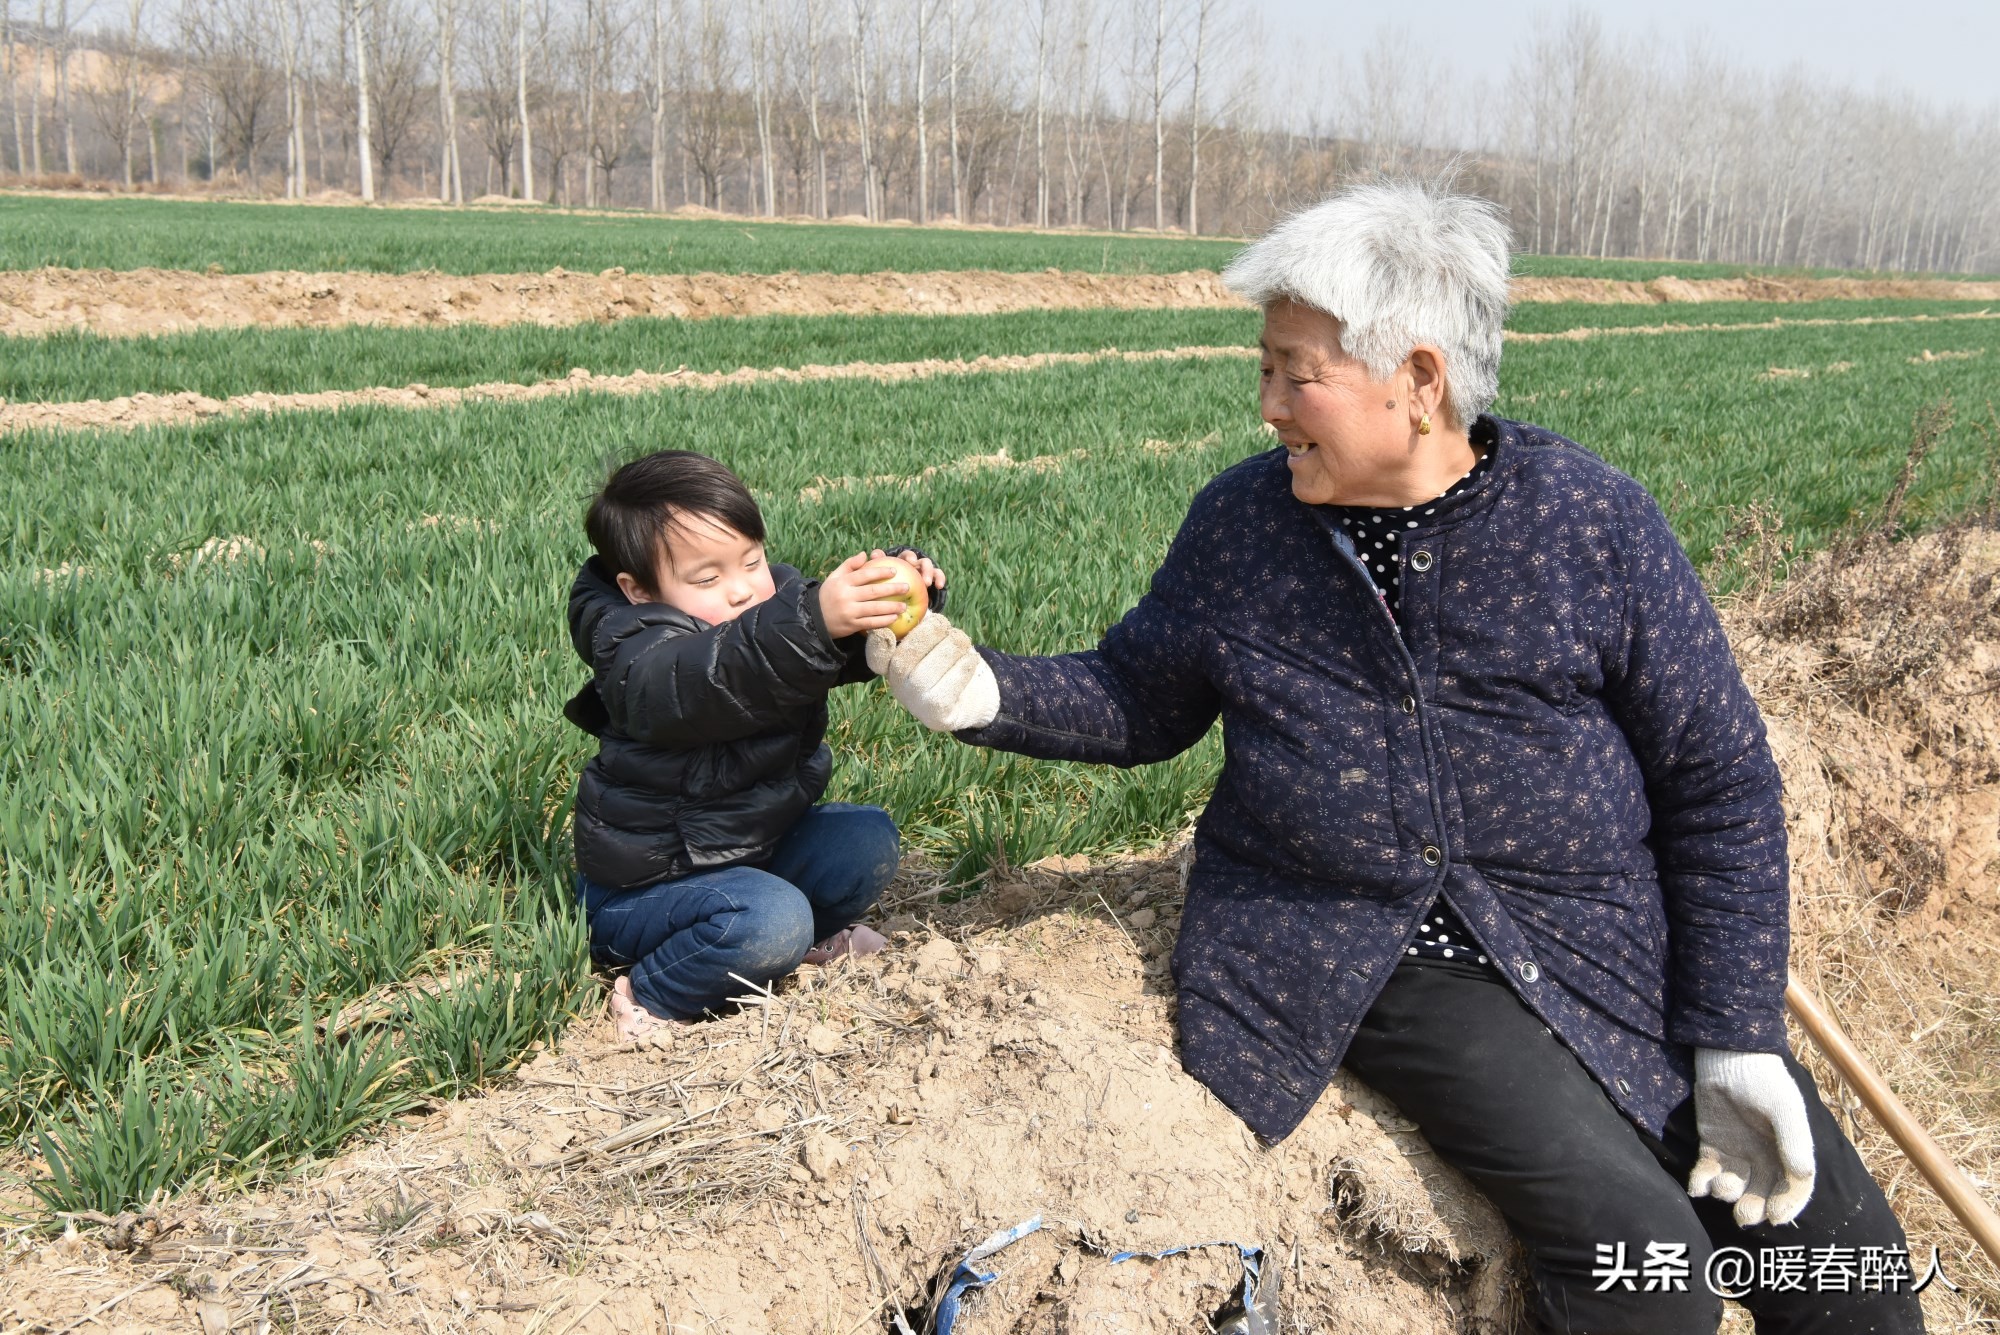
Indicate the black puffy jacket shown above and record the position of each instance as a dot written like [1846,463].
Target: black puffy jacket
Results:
[711,738]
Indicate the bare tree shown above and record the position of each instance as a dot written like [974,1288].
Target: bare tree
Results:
[709,78]
[1595,145]
[363,39]
[608,101]
[451,183]
[1041,140]
[397,83]
[814,40]
[230,66]
[923,137]
[564,111]
[527,136]
[951,113]
[761,47]
[64,37]
[35,90]
[291,37]
[856,37]
[1159,114]
[114,104]
[1205,15]
[657,106]
[490,47]
[12,76]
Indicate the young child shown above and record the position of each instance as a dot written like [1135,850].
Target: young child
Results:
[702,848]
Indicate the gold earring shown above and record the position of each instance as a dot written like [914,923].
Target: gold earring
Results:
[1424,425]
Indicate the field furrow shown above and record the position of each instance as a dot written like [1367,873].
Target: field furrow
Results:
[224,363]
[1582,333]
[145,409]
[156,301]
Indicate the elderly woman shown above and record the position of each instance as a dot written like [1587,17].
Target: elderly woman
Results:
[1497,827]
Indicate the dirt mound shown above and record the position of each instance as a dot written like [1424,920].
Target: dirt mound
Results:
[1878,668]
[817,1161]
[160,301]
[1607,291]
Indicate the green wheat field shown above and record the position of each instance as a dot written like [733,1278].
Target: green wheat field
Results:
[283,799]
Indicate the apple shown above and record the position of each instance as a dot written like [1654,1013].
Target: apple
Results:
[916,602]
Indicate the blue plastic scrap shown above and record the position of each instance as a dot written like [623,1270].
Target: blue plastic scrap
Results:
[966,1277]
[1259,1300]
[1259,1305]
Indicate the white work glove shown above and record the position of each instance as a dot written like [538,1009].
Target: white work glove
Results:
[1756,1145]
[936,674]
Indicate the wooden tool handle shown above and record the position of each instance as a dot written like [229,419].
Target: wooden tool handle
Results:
[1943,1175]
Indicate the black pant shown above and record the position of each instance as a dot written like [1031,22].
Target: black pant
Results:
[1503,1101]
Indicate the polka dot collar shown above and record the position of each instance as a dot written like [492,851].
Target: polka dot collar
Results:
[1378,529]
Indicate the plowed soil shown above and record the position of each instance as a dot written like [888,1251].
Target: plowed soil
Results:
[815,1162]
[153,301]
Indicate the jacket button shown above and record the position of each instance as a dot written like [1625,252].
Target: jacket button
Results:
[1420,560]
[1528,970]
[1409,704]
[1624,1085]
[1432,855]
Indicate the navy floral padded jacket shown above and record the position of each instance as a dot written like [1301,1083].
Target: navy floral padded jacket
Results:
[1557,740]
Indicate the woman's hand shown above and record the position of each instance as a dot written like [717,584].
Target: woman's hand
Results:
[1756,1144]
[936,674]
[859,597]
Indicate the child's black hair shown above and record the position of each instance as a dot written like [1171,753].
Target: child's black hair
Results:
[642,502]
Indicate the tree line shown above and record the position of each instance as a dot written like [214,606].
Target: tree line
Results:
[1112,114]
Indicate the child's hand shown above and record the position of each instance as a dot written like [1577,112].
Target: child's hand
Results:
[933,577]
[857,597]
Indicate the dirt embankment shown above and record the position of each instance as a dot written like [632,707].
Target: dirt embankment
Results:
[1670,289]
[814,1163]
[155,301]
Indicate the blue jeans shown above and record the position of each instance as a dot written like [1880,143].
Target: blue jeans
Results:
[684,938]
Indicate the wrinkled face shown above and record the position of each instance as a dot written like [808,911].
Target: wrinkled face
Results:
[708,570]
[1348,434]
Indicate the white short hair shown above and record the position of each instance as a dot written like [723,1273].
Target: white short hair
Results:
[1397,263]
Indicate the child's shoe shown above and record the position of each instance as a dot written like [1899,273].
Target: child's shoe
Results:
[632,1020]
[856,940]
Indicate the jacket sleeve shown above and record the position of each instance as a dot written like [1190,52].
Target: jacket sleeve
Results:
[666,686]
[1718,821]
[1142,695]
[854,660]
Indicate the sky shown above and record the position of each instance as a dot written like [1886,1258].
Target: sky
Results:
[1943,50]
